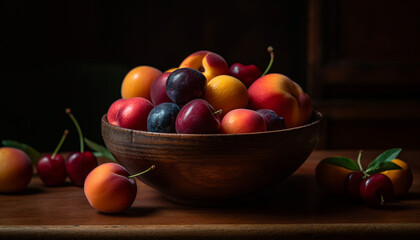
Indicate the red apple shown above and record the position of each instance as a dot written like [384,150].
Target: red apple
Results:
[133,113]
[198,116]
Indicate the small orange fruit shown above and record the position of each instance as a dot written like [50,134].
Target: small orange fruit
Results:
[138,81]
[401,179]
[226,93]
[331,178]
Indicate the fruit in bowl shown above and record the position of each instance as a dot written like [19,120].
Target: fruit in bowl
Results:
[212,169]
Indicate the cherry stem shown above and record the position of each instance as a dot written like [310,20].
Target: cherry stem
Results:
[60,143]
[82,147]
[270,50]
[140,173]
[359,157]
[382,200]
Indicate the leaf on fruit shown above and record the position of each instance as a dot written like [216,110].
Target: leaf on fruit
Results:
[32,153]
[100,151]
[386,156]
[344,162]
[383,166]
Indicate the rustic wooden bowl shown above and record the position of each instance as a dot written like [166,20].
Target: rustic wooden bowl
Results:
[212,169]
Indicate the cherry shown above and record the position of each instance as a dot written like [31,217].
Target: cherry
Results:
[376,190]
[79,164]
[352,185]
[51,167]
[246,73]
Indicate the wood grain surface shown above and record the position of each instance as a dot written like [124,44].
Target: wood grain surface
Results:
[295,209]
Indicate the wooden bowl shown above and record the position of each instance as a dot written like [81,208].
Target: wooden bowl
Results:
[212,169]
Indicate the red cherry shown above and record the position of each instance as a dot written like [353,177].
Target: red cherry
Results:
[51,167]
[352,185]
[246,73]
[376,190]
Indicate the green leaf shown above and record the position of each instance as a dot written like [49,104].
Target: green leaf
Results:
[101,151]
[383,166]
[386,156]
[344,162]
[33,154]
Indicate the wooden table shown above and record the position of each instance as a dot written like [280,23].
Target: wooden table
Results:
[295,209]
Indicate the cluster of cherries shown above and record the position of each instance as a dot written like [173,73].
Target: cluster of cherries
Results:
[53,169]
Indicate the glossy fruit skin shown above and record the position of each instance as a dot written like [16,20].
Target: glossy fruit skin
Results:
[138,81]
[113,111]
[52,171]
[401,179]
[272,120]
[196,117]
[79,165]
[373,187]
[246,73]
[184,85]
[243,120]
[279,93]
[331,178]
[158,89]
[227,93]
[352,185]
[133,113]
[16,170]
[209,63]
[162,118]
[108,188]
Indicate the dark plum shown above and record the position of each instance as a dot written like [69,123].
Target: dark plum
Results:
[198,116]
[376,190]
[352,185]
[185,84]
[272,120]
[162,118]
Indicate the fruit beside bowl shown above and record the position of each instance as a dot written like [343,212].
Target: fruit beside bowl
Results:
[212,169]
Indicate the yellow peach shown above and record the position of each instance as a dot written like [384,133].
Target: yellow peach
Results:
[138,81]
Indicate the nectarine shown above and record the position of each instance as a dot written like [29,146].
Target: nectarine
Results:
[138,81]
[243,120]
[16,170]
[209,63]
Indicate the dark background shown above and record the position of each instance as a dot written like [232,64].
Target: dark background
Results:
[65,54]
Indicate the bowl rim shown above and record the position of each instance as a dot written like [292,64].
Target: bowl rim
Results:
[316,117]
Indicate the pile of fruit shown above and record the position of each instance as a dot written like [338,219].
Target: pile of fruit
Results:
[206,96]
[385,178]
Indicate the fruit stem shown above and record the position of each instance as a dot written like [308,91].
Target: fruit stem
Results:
[382,200]
[218,112]
[359,157]
[82,147]
[60,143]
[140,173]
[270,50]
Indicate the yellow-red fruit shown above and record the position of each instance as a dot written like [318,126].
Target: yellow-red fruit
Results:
[108,188]
[209,63]
[401,179]
[16,170]
[138,81]
[331,178]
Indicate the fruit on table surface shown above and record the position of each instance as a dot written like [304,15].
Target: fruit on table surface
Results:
[401,179]
[272,120]
[331,178]
[279,93]
[227,93]
[138,81]
[198,116]
[209,63]
[376,190]
[51,168]
[158,89]
[79,164]
[133,113]
[352,185]
[15,170]
[245,73]
[184,85]
[108,188]
[243,120]
[162,118]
